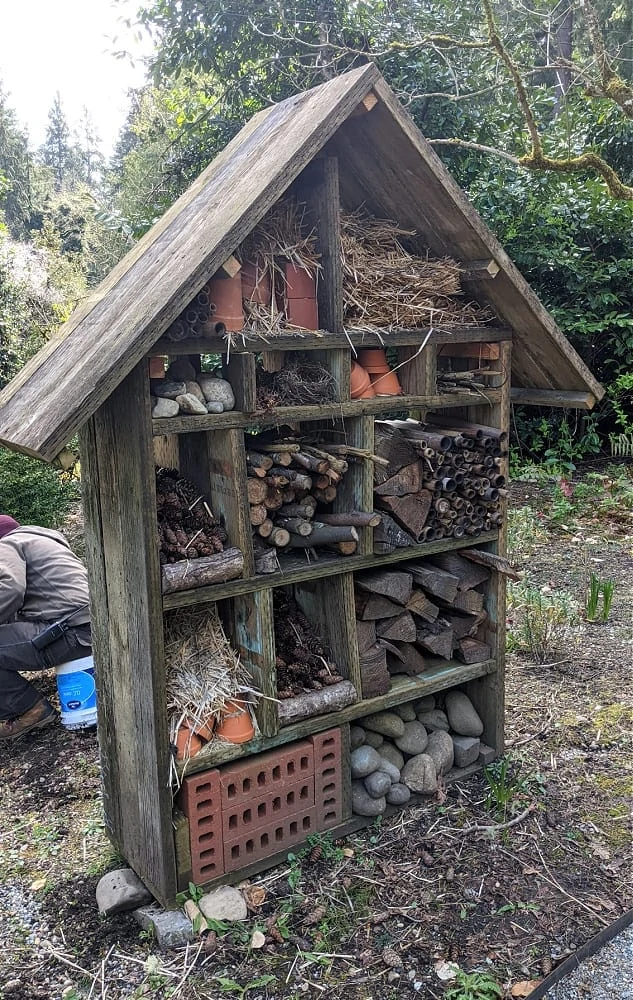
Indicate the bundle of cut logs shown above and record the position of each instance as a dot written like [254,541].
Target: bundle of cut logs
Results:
[434,606]
[287,481]
[441,481]
[191,539]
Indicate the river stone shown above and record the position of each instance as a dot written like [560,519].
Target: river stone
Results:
[217,390]
[362,802]
[374,740]
[466,750]
[168,389]
[194,389]
[181,370]
[215,407]
[387,723]
[170,929]
[419,774]
[356,736]
[190,404]
[225,903]
[377,784]
[426,704]
[121,890]
[163,407]
[414,739]
[434,720]
[440,749]
[364,760]
[391,753]
[390,769]
[406,712]
[398,794]
[462,716]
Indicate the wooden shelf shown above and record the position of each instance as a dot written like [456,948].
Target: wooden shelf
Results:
[440,675]
[292,414]
[298,570]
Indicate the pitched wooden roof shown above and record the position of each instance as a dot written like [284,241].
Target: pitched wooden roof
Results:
[384,162]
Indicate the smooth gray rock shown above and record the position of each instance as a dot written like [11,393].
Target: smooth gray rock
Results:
[356,736]
[374,740]
[168,389]
[121,890]
[181,370]
[440,750]
[364,760]
[390,769]
[188,403]
[171,928]
[215,408]
[435,719]
[466,750]
[426,704]
[217,390]
[362,802]
[194,389]
[414,739]
[387,723]
[225,903]
[419,774]
[165,408]
[398,794]
[377,784]
[461,714]
[390,752]
[406,712]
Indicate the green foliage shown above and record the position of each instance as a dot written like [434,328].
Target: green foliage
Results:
[473,986]
[596,589]
[509,789]
[536,619]
[34,493]
[228,985]
[524,531]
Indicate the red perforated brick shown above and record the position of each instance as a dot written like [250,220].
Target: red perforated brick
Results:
[328,778]
[259,777]
[280,835]
[261,810]
[201,801]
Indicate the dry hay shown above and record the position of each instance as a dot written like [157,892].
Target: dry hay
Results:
[300,383]
[203,670]
[386,286]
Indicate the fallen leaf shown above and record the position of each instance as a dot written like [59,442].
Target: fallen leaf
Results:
[348,852]
[524,988]
[254,895]
[446,970]
[38,885]
[258,939]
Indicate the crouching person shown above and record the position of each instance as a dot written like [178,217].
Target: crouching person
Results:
[44,619]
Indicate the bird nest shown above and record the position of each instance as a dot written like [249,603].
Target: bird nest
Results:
[301,383]
[387,286]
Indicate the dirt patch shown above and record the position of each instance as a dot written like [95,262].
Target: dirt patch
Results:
[376,915]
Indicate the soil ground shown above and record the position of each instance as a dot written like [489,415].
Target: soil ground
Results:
[379,915]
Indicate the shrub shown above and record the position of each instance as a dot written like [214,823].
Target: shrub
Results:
[32,492]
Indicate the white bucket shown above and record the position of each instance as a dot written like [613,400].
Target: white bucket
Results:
[77,693]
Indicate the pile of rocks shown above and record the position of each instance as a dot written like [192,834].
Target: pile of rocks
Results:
[411,747]
[183,390]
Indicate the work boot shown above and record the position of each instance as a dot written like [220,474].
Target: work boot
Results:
[42,714]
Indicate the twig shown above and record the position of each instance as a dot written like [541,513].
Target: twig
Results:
[476,828]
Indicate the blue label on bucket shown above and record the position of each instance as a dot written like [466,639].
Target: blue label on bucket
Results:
[77,691]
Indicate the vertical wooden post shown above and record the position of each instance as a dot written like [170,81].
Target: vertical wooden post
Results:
[356,490]
[254,636]
[124,570]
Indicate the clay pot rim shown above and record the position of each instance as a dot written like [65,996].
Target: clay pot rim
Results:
[367,354]
[377,369]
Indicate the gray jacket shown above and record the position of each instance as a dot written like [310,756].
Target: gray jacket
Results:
[40,577]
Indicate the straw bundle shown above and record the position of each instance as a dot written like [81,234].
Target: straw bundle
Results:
[386,286]
[203,670]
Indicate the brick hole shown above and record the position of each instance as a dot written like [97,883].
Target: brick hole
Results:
[304,763]
[206,836]
[206,821]
[306,822]
[277,803]
[246,816]
[231,790]
[279,833]
[329,815]
[328,771]
[202,788]
[290,767]
[328,741]
[235,851]
[208,869]
[249,846]
[328,756]
[290,798]
[331,787]
[276,773]
[232,821]
[209,853]
[261,778]
[304,793]
[293,827]
[261,809]
[264,840]
[246,785]
[329,802]
[206,804]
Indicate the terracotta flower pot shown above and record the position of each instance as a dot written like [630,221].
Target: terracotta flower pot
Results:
[205,729]
[369,357]
[236,725]
[386,385]
[303,312]
[188,744]
[300,284]
[369,393]
[226,295]
[256,286]
[359,380]
[157,367]
[377,369]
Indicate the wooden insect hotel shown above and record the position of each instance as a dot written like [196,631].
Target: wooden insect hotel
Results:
[292,399]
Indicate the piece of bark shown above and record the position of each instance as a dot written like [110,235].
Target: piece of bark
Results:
[410,662]
[465,624]
[435,581]
[265,529]
[375,677]
[469,600]
[298,525]
[389,536]
[369,607]
[407,480]
[365,635]
[280,538]
[353,518]
[419,604]
[318,465]
[256,490]
[344,548]
[332,698]
[394,584]
[473,651]
[257,471]
[258,514]
[325,534]
[256,458]
[273,499]
[402,628]
[440,643]
[266,560]
[468,573]
[410,512]
[305,508]
[493,561]
[392,446]
[203,572]
[325,496]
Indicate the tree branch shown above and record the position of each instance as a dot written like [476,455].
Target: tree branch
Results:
[465,144]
